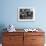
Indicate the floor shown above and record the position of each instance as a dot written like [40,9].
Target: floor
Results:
[0,44]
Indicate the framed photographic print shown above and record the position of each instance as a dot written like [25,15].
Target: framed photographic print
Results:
[26,14]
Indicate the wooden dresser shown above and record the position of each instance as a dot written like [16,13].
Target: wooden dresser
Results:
[23,39]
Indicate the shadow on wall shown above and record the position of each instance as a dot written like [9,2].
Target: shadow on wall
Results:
[2,26]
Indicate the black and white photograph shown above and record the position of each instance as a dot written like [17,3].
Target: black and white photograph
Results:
[26,14]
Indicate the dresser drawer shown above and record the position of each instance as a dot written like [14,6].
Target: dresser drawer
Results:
[12,39]
[37,44]
[13,33]
[37,39]
[34,33]
[13,44]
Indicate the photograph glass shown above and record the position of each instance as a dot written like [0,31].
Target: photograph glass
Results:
[26,14]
